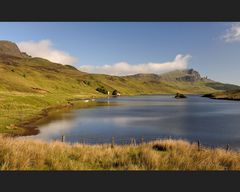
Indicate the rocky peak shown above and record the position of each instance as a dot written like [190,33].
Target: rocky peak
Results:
[10,48]
[190,75]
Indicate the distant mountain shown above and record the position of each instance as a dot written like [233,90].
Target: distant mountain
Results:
[182,78]
[188,75]
[22,73]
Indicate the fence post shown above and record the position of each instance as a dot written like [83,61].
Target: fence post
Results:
[142,140]
[228,147]
[113,142]
[63,138]
[199,145]
[134,142]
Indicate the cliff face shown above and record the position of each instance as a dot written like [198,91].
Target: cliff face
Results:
[11,49]
[187,75]
[190,76]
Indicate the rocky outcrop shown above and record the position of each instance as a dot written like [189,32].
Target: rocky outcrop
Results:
[180,96]
[11,49]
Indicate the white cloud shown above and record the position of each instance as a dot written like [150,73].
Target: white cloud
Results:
[45,49]
[123,68]
[233,33]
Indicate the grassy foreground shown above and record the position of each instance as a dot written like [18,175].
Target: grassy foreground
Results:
[18,154]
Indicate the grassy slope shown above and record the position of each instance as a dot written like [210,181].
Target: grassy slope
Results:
[177,155]
[28,85]
[19,101]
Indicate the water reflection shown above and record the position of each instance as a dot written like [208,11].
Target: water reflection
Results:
[55,129]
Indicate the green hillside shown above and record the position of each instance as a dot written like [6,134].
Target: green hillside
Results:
[29,85]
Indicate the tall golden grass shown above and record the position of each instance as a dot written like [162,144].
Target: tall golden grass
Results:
[169,154]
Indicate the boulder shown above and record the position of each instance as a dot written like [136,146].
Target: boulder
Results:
[115,93]
[180,96]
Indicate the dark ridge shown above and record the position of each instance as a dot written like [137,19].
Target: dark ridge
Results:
[71,67]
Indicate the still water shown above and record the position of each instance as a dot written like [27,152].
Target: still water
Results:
[213,122]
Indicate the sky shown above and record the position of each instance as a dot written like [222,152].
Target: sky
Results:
[125,48]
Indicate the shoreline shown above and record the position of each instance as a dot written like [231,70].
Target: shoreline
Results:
[210,96]
[30,127]
[233,95]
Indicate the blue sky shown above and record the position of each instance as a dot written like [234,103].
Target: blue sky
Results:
[212,48]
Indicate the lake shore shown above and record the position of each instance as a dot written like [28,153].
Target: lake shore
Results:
[31,126]
[226,95]
[20,111]
[18,154]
